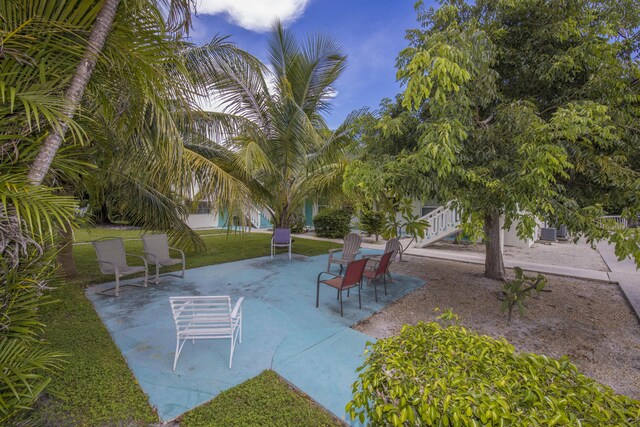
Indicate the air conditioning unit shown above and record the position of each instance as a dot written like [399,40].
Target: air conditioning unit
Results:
[562,232]
[548,234]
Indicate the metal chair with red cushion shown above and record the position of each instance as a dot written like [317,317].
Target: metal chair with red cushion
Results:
[378,269]
[352,278]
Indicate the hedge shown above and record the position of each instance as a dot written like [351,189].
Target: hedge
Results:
[332,223]
[434,375]
[372,222]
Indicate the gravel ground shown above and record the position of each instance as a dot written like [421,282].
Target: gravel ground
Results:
[591,322]
[576,255]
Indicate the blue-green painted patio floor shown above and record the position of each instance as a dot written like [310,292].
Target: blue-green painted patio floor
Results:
[313,348]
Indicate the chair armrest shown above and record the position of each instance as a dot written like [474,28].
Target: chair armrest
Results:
[149,254]
[236,308]
[186,305]
[333,251]
[326,272]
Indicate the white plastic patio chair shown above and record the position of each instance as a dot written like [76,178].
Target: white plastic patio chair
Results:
[156,251]
[206,317]
[112,259]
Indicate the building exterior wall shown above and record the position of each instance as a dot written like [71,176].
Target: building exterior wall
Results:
[202,220]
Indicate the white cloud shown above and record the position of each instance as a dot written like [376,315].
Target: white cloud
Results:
[255,15]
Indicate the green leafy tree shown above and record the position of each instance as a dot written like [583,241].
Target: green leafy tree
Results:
[529,111]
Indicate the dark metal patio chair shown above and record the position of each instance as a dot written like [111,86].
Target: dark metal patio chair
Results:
[379,268]
[352,278]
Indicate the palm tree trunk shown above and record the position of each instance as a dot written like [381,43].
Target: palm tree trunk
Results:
[494,262]
[65,253]
[75,91]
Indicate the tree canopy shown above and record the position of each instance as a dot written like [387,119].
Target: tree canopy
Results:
[529,110]
[277,138]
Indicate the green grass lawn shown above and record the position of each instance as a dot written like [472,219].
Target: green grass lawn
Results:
[97,387]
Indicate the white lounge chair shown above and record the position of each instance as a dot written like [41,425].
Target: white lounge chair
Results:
[206,317]
[156,251]
[112,259]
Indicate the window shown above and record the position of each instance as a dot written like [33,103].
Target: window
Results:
[203,208]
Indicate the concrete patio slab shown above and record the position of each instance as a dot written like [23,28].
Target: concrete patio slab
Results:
[313,348]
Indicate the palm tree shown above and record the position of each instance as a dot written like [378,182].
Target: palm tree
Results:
[139,106]
[179,12]
[278,142]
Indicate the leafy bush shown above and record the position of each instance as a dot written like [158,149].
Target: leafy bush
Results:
[372,222]
[434,375]
[297,224]
[516,291]
[332,223]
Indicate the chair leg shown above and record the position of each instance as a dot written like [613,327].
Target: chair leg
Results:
[289,252]
[359,297]
[384,280]
[117,285]
[375,290]
[232,348]
[317,293]
[341,269]
[177,353]
[183,269]
[341,313]
[157,273]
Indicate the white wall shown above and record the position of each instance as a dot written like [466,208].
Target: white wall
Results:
[202,220]
[511,237]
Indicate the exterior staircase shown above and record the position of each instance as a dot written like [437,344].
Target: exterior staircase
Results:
[443,221]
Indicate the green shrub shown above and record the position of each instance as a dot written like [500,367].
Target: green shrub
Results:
[332,223]
[372,222]
[434,375]
[516,291]
[297,224]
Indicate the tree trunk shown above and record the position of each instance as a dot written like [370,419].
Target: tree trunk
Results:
[100,215]
[493,263]
[65,253]
[76,89]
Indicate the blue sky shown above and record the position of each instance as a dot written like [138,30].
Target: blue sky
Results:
[371,33]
